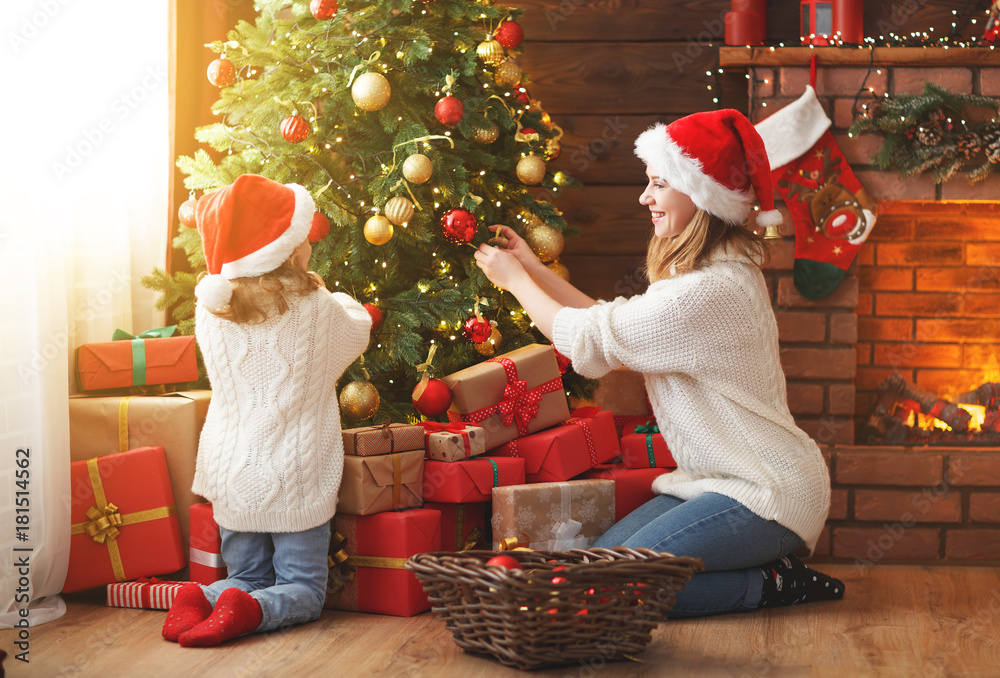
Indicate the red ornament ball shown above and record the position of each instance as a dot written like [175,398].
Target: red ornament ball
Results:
[432,398]
[506,562]
[477,330]
[509,34]
[323,9]
[376,313]
[320,227]
[221,73]
[295,128]
[186,212]
[523,98]
[458,226]
[449,110]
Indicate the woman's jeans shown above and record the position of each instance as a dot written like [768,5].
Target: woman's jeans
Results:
[732,541]
[285,572]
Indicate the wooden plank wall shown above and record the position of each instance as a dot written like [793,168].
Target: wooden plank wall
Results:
[605,70]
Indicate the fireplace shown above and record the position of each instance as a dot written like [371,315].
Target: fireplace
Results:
[920,307]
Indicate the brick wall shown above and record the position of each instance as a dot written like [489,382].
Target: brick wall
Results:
[923,297]
[896,504]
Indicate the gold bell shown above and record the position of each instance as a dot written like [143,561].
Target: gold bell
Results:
[772,233]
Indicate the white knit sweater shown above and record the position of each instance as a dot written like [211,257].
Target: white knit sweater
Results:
[707,344]
[271,453]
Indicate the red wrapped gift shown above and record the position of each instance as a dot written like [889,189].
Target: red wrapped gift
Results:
[205,555]
[510,396]
[567,450]
[463,526]
[643,446]
[146,594]
[367,555]
[123,519]
[633,486]
[152,358]
[470,480]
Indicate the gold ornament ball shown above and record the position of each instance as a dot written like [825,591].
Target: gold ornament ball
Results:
[559,270]
[371,91]
[545,241]
[488,135]
[360,400]
[531,170]
[490,346]
[490,52]
[378,230]
[507,73]
[398,210]
[417,168]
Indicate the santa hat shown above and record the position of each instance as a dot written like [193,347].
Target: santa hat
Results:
[247,229]
[715,158]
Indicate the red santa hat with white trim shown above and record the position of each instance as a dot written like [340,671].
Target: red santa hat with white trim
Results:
[250,228]
[716,158]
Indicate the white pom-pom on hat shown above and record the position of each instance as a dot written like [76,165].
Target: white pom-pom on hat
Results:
[214,291]
[769,218]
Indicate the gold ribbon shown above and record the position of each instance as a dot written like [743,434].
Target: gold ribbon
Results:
[397,479]
[123,424]
[104,523]
[377,561]
[512,544]
[474,536]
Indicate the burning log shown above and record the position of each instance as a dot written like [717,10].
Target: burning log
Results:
[987,395]
[897,398]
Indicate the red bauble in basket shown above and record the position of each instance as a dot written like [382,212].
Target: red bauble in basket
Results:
[449,110]
[294,128]
[458,226]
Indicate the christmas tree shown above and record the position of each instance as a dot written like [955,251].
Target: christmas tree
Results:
[409,124]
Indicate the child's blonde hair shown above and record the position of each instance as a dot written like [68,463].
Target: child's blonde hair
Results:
[667,257]
[255,299]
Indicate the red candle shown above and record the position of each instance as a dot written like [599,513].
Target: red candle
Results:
[744,28]
[848,20]
[754,6]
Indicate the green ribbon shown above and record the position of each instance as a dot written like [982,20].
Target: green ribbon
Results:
[649,428]
[139,349]
[496,473]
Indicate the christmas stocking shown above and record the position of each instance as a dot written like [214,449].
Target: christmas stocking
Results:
[832,213]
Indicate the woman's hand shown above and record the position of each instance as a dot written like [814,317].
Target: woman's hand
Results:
[500,266]
[509,241]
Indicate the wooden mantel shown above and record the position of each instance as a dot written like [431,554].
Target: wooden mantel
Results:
[859,56]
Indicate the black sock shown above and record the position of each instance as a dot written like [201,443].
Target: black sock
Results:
[788,582]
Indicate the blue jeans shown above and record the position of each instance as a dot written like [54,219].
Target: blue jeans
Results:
[731,540]
[285,572]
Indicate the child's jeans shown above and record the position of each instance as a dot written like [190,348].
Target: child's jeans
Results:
[731,540]
[285,572]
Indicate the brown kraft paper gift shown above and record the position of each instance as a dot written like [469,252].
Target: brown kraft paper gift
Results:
[382,483]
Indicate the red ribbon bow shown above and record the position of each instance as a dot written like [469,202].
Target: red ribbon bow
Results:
[520,403]
[438,427]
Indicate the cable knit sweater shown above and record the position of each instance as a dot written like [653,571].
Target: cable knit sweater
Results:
[707,344]
[271,454]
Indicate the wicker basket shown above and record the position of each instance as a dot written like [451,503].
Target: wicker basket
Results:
[600,603]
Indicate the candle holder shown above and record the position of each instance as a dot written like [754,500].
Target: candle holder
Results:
[816,22]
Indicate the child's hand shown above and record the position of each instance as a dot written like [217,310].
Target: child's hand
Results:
[500,266]
[509,241]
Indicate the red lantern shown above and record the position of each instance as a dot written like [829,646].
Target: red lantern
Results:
[816,22]
[294,128]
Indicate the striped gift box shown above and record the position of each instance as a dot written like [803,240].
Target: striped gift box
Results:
[147,594]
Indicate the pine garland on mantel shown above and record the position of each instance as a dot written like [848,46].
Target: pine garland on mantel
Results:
[937,132]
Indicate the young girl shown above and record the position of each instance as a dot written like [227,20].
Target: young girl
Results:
[271,455]
[750,487]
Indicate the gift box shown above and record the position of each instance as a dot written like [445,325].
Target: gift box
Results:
[205,563]
[123,520]
[145,594]
[367,554]
[567,450]
[510,395]
[101,425]
[152,358]
[553,516]
[463,526]
[384,483]
[633,486]
[470,480]
[452,442]
[643,446]
[385,439]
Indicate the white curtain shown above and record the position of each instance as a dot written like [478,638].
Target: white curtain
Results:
[83,217]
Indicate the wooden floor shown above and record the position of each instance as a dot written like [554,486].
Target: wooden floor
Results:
[896,620]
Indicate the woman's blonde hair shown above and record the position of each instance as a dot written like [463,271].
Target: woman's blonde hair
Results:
[667,257]
[256,299]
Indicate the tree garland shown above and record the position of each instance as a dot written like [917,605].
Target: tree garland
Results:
[935,132]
